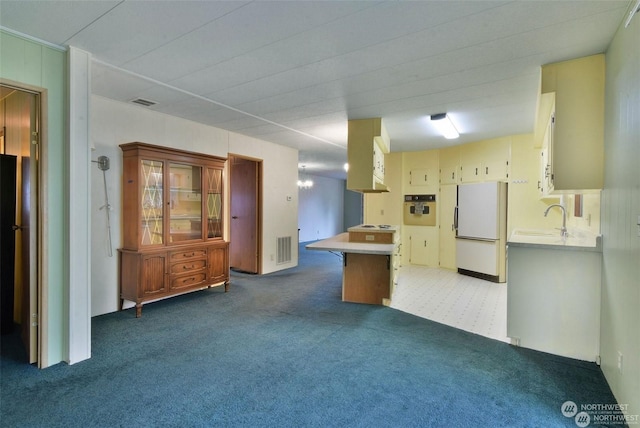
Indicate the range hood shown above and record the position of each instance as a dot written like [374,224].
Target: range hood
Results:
[367,145]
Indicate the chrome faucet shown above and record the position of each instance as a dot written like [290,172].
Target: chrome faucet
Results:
[563,230]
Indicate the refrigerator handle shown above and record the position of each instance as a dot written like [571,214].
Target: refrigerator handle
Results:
[455,219]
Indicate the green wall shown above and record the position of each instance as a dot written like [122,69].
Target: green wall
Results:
[620,335]
[35,65]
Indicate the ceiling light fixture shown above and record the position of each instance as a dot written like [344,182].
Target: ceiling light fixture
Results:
[632,12]
[304,182]
[444,125]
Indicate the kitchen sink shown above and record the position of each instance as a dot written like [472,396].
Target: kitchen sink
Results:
[552,237]
[535,232]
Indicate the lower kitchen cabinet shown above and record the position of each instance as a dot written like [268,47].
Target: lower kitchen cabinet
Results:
[423,245]
[553,299]
[155,274]
[366,278]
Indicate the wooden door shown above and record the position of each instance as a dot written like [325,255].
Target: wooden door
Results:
[29,316]
[20,137]
[245,214]
[7,240]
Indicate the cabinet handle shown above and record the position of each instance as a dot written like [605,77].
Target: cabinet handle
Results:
[487,170]
[453,175]
[425,243]
[476,171]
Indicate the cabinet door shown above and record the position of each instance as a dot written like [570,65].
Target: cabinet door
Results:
[447,247]
[218,264]
[449,165]
[366,278]
[153,275]
[423,246]
[213,182]
[185,206]
[421,177]
[471,171]
[152,211]
[495,170]
[378,162]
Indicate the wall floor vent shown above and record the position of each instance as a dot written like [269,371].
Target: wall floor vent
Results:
[284,250]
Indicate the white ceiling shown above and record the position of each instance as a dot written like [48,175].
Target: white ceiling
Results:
[294,72]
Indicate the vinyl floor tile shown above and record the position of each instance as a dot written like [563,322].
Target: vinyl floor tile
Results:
[460,301]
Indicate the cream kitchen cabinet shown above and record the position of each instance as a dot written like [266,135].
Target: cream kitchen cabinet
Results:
[422,244]
[576,143]
[449,165]
[546,179]
[486,160]
[447,232]
[420,171]
[368,143]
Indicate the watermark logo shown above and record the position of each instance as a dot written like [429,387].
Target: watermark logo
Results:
[582,419]
[569,409]
[606,414]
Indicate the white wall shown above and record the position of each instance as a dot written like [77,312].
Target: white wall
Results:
[279,192]
[114,123]
[321,208]
[620,314]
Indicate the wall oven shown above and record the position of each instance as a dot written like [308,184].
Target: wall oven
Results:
[419,210]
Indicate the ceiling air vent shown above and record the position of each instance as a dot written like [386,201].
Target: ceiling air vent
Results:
[143,102]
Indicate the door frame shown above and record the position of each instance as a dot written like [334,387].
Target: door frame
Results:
[259,199]
[39,272]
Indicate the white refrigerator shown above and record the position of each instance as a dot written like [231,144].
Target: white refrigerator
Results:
[481,230]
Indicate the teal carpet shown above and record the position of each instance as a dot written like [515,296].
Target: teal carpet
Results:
[282,350]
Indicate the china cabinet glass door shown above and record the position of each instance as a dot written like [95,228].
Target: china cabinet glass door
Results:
[214,203]
[185,204]
[152,205]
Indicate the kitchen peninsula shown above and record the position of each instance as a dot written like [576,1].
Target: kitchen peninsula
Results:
[370,261]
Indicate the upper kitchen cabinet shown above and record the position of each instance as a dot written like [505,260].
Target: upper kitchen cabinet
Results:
[449,165]
[368,143]
[576,145]
[544,138]
[486,160]
[420,171]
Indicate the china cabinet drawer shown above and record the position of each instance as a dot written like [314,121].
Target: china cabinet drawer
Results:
[190,266]
[178,256]
[187,281]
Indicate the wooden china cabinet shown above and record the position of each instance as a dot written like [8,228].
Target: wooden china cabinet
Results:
[173,223]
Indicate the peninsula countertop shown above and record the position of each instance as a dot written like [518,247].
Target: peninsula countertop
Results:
[341,243]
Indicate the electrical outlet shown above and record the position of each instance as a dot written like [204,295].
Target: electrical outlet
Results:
[620,362]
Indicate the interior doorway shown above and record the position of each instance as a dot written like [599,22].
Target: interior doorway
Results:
[20,121]
[245,201]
